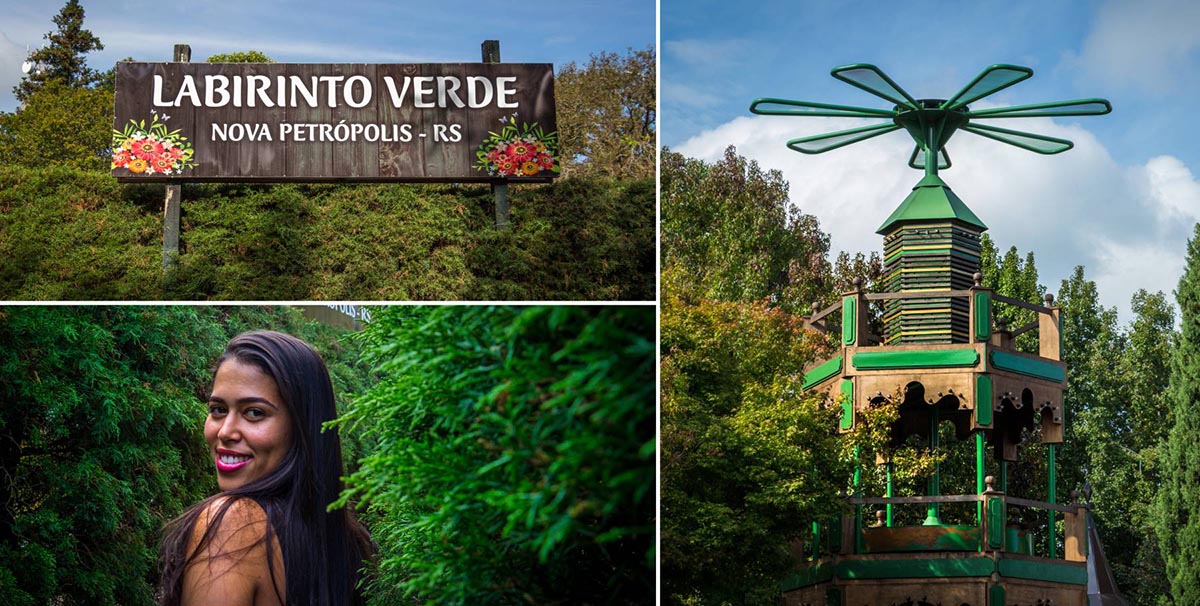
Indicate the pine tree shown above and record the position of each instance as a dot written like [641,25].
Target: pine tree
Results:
[1177,526]
[63,59]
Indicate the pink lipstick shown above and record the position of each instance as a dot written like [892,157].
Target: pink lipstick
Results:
[229,461]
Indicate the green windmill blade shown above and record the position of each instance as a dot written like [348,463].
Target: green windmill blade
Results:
[874,81]
[766,107]
[930,122]
[822,143]
[991,80]
[1078,107]
[1042,144]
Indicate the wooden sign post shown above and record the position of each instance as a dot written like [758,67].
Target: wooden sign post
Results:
[172,202]
[491,54]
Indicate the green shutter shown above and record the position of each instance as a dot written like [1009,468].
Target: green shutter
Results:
[849,319]
[983,316]
[847,422]
[983,400]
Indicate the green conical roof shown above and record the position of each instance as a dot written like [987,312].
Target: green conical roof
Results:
[931,200]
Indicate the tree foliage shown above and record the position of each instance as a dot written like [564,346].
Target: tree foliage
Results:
[1177,525]
[59,125]
[730,234]
[63,59]
[748,463]
[515,454]
[606,113]
[71,235]
[101,413]
[248,56]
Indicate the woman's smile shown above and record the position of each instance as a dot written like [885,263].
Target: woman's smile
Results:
[229,461]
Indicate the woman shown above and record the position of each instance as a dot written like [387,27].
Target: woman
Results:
[267,539]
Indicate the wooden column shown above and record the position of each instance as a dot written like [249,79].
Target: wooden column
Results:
[171,201]
[491,54]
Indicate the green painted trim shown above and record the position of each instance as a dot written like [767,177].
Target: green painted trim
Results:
[983,316]
[812,575]
[822,373]
[847,422]
[1043,570]
[996,595]
[938,358]
[983,400]
[1028,366]
[995,522]
[849,319]
[924,568]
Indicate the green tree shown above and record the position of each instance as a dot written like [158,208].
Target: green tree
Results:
[748,463]
[1177,526]
[730,234]
[1013,277]
[59,125]
[515,454]
[606,114]
[1139,428]
[63,59]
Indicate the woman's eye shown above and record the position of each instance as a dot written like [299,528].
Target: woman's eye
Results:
[255,414]
[216,410]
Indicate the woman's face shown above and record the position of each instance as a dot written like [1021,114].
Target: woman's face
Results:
[249,428]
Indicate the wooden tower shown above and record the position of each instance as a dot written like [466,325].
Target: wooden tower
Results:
[945,355]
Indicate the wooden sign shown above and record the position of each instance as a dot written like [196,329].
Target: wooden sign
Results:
[458,122]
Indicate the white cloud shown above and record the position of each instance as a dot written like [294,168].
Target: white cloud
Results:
[705,53]
[1128,225]
[1151,45]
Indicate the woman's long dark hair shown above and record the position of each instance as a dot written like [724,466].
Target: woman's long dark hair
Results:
[323,552]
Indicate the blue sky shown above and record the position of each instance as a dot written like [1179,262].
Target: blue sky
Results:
[1122,203]
[353,31]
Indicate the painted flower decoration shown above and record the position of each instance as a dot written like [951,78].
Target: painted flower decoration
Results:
[518,150]
[151,150]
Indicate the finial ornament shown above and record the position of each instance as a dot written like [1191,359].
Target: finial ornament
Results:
[930,122]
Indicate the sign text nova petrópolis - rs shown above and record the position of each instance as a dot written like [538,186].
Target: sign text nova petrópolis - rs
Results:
[456,122]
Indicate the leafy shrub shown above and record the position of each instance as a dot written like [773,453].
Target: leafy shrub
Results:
[515,458]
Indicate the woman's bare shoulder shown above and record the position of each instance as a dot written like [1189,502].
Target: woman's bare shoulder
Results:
[231,566]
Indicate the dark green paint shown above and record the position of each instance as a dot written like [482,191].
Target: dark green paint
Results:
[938,358]
[847,422]
[817,573]
[1027,366]
[849,319]
[983,316]
[822,373]
[833,597]
[996,521]
[1044,570]
[996,595]
[983,400]
[924,568]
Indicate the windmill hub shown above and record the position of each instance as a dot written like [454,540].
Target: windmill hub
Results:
[929,121]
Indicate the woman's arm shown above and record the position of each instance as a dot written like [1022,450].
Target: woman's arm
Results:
[231,570]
